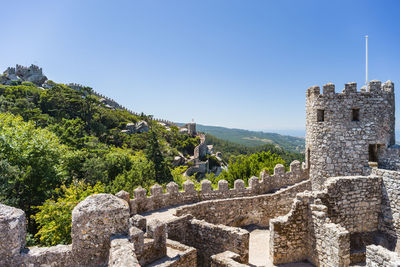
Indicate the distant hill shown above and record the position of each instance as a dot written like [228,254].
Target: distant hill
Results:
[254,138]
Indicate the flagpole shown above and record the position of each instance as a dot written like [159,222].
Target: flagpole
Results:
[366,60]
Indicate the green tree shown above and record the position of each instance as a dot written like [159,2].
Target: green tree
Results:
[31,163]
[244,167]
[55,215]
[142,173]
[153,153]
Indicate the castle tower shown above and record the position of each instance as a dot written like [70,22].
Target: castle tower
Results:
[191,128]
[345,131]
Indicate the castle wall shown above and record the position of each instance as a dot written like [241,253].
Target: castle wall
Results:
[378,256]
[209,239]
[246,210]
[337,145]
[122,253]
[389,219]
[354,202]
[212,239]
[94,221]
[266,183]
[187,255]
[320,223]
[328,243]
[289,233]
[389,158]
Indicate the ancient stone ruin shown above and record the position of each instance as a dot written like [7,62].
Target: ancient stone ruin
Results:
[340,208]
[32,74]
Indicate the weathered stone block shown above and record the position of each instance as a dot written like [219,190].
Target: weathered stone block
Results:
[12,234]
[94,221]
[172,188]
[156,190]
[223,186]
[239,185]
[140,193]
[188,187]
[206,187]
[138,221]
[123,195]
[122,253]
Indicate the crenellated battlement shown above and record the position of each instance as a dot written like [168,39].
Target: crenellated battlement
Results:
[344,130]
[257,185]
[114,104]
[9,70]
[350,89]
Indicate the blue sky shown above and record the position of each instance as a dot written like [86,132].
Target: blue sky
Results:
[242,64]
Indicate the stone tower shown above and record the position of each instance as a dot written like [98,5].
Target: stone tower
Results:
[345,131]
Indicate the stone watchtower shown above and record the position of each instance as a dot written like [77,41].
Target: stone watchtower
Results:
[345,131]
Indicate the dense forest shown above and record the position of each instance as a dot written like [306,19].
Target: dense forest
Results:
[59,145]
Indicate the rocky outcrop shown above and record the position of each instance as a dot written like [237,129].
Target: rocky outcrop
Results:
[138,127]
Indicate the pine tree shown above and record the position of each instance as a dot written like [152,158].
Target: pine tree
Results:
[153,153]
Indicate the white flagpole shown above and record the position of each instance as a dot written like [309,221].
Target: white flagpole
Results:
[366,60]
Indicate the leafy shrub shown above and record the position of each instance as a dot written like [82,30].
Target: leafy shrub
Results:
[55,215]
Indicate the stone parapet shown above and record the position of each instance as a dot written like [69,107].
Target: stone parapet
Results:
[122,253]
[12,234]
[378,256]
[266,183]
[245,210]
[94,221]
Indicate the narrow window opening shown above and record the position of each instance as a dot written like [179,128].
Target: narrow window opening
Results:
[320,115]
[373,152]
[355,114]
[308,158]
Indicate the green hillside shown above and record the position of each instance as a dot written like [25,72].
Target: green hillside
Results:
[253,138]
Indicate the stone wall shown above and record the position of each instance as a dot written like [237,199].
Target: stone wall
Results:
[226,259]
[94,221]
[246,210]
[289,233]
[200,151]
[337,145]
[353,202]
[114,104]
[320,223]
[12,233]
[389,219]
[122,253]
[212,239]
[108,215]
[209,239]
[389,158]
[328,243]
[187,255]
[378,256]
[157,200]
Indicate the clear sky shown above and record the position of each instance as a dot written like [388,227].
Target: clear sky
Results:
[242,64]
